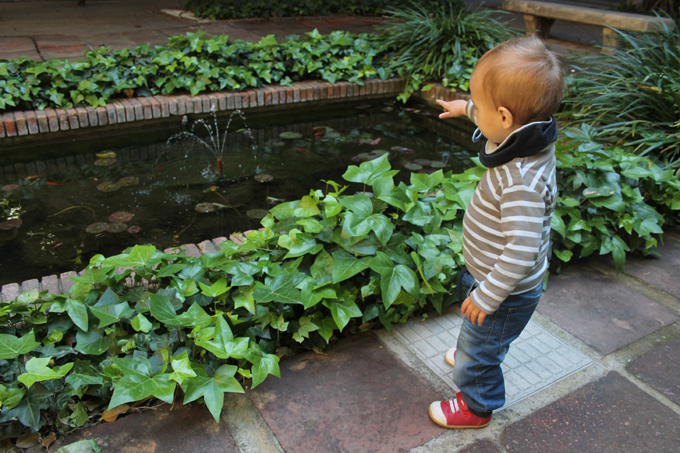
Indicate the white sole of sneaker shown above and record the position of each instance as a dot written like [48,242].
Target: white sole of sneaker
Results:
[450,357]
[436,415]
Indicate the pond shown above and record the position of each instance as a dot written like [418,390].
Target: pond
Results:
[101,195]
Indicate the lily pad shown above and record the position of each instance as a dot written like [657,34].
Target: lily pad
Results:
[423,162]
[204,208]
[363,107]
[11,224]
[108,187]
[264,178]
[10,187]
[413,167]
[134,229]
[105,162]
[128,181]
[437,164]
[362,157]
[320,130]
[121,217]
[96,228]
[106,155]
[257,213]
[290,135]
[116,227]
[278,143]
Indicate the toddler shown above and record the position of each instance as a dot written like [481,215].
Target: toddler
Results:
[515,89]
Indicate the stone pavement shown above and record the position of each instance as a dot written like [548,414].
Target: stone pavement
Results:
[596,370]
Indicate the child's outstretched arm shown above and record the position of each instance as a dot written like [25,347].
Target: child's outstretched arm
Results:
[453,108]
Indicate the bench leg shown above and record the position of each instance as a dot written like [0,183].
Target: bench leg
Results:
[538,25]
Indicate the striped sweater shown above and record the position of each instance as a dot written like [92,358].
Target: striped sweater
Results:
[506,228]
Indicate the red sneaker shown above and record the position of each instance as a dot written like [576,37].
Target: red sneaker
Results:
[455,414]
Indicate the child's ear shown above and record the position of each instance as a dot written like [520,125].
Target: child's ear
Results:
[507,119]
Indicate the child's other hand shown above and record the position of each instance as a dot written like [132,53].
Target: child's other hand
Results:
[472,312]
[453,108]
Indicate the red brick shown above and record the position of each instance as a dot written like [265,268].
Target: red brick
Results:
[10,125]
[83,117]
[120,111]
[20,121]
[191,250]
[72,118]
[43,124]
[92,116]
[2,126]
[31,122]
[102,116]
[230,98]
[198,104]
[207,247]
[260,98]
[52,119]
[66,282]
[10,292]
[30,285]
[129,109]
[173,106]
[138,108]
[252,98]
[51,284]
[155,107]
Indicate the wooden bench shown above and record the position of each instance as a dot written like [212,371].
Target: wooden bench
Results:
[540,16]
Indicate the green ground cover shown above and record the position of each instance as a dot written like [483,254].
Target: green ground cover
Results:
[187,329]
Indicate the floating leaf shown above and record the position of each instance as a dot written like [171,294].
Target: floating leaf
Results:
[121,217]
[10,187]
[11,224]
[106,155]
[290,135]
[278,143]
[423,162]
[362,157]
[320,130]
[257,213]
[134,229]
[128,181]
[108,187]
[437,164]
[104,162]
[116,227]
[363,107]
[264,178]
[204,208]
[96,228]
[413,167]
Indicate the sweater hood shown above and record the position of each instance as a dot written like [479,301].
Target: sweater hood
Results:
[526,141]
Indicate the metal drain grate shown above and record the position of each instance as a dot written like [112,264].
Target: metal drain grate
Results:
[535,360]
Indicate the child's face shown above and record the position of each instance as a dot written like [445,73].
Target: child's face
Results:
[495,123]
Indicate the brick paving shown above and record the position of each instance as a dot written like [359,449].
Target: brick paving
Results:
[595,371]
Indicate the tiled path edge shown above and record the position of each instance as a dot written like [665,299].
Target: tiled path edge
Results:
[135,110]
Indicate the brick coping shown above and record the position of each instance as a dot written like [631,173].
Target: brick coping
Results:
[26,123]
[35,122]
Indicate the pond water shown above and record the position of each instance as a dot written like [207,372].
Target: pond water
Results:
[100,198]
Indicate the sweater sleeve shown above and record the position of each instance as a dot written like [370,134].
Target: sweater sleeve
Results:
[522,212]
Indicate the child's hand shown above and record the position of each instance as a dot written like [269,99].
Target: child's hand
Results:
[453,108]
[472,312]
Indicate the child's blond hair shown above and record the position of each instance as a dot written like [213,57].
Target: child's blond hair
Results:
[523,76]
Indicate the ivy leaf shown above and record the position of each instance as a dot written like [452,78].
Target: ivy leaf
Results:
[93,342]
[343,311]
[140,255]
[138,383]
[216,289]
[11,397]
[306,208]
[37,370]
[306,326]
[386,191]
[83,375]
[322,268]
[163,310]
[11,346]
[141,324]
[224,345]
[244,298]
[263,365]
[281,288]
[369,171]
[77,311]
[298,244]
[212,388]
[110,314]
[346,265]
[181,368]
[398,278]
[28,409]
[424,182]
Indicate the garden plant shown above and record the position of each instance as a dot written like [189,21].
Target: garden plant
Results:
[146,325]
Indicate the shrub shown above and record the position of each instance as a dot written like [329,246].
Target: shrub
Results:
[439,41]
[631,95]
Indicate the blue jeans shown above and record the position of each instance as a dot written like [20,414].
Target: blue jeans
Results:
[481,349]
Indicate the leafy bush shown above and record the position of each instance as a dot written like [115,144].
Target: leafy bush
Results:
[632,95]
[190,63]
[225,9]
[177,328]
[611,200]
[440,41]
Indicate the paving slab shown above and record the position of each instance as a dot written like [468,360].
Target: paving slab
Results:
[601,311]
[160,430]
[357,397]
[608,415]
[662,272]
[660,368]
[536,360]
